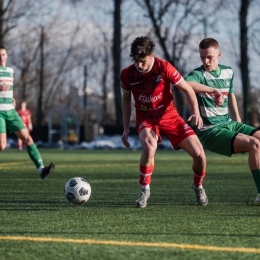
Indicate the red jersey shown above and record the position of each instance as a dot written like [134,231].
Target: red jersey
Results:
[24,114]
[151,89]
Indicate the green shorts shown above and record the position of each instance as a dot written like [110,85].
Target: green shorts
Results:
[220,139]
[10,121]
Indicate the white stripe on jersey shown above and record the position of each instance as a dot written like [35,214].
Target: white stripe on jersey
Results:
[178,81]
[225,74]
[6,94]
[207,95]
[8,69]
[6,80]
[6,107]
[213,111]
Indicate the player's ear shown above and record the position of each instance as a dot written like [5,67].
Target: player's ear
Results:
[219,54]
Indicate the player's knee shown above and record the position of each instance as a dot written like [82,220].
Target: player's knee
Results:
[149,149]
[200,156]
[255,144]
[26,140]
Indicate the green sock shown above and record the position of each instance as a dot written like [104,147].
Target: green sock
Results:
[256,176]
[35,155]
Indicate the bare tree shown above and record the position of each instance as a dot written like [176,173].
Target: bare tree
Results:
[244,57]
[57,59]
[117,61]
[11,11]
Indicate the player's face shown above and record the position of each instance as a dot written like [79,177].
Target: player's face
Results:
[3,57]
[209,58]
[146,63]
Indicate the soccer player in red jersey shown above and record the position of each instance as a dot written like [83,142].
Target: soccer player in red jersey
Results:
[25,114]
[149,79]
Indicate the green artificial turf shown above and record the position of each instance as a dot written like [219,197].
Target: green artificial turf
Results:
[33,208]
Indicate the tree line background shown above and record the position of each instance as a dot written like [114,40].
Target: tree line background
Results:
[69,53]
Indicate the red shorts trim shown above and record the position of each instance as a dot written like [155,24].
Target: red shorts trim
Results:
[172,126]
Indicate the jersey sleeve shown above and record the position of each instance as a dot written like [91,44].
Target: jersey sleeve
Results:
[172,74]
[231,89]
[193,76]
[125,84]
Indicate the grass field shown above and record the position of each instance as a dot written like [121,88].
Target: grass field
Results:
[38,223]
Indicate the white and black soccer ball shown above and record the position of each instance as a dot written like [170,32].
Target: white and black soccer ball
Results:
[77,190]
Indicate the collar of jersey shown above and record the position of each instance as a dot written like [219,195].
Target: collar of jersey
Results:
[144,71]
[2,68]
[216,73]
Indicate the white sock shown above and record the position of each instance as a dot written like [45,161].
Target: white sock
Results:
[146,187]
[197,186]
[40,169]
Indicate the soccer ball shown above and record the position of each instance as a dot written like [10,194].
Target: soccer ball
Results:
[77,190]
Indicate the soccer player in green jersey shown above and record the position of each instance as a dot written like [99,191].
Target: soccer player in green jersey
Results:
[10,121]
[222,131]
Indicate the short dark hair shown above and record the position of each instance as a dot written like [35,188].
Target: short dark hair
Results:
[208,42]
[141,47]
[2,47]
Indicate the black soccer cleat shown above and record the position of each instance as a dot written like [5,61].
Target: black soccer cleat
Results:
[47,170]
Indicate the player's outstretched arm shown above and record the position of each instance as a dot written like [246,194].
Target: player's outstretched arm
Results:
[200,88]
[192,102]
[126,111]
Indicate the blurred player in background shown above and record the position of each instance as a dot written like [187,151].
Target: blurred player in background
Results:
[25,115]
[149,79]
[11,122]
[223,132]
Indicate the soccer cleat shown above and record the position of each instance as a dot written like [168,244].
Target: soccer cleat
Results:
[257,200]
[141,202]
[47,170]
[202,198]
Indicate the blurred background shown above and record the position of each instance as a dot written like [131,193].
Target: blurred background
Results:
[67,56]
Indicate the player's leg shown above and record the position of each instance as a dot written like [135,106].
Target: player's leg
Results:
[20,144]
[32,150]
[181,135]
[15,124]
[2,141]
[192,145]
[34,153]
[235,137]
[2,134]
[148,140]
[251,144]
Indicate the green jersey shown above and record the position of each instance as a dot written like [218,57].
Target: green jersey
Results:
[6,97]
[222,79]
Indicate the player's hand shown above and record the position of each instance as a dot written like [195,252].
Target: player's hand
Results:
[198,120]
[124,138]
[218,98]
[4,87]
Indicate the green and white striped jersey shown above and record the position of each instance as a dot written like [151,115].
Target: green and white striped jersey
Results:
[222,79]
[6,97]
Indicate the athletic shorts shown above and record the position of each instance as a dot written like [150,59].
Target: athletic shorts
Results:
[172,126]
[10,122]
[220,139]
